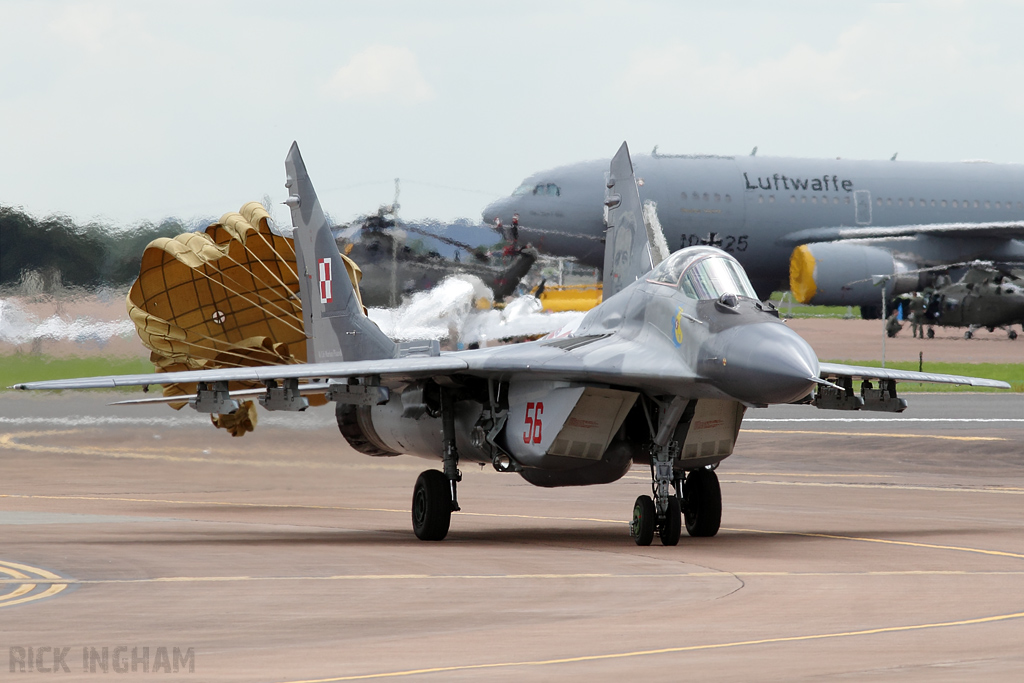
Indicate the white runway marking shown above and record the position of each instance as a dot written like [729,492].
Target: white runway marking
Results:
[883,419]
[189,419]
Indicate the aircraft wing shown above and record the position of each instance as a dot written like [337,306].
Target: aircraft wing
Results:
[595,358]
[1001,230]
[397,369]
[861,372]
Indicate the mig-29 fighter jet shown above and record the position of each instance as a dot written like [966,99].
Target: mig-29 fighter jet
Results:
[660,373]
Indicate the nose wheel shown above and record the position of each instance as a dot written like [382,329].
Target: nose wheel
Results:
[646,521]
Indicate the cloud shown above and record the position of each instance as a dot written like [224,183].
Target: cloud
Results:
[94,27]
[380,72]
[867,63]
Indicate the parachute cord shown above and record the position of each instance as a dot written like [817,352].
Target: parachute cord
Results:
[256,303]
[283,260]
[290,294]
[215,350]
[292,300]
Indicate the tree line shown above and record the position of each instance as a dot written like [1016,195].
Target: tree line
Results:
[63,252]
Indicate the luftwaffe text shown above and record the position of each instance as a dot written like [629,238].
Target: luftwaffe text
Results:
[777,181]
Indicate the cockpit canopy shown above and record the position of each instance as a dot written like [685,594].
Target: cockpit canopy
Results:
[703,273]
[548,189]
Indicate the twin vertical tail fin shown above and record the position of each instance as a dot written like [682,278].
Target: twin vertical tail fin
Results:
[627,250]
[336,327]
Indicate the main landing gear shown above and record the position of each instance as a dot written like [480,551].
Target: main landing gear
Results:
[435,496]
[702,496]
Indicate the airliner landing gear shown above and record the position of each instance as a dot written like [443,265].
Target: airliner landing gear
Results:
[702,503]
[431,506]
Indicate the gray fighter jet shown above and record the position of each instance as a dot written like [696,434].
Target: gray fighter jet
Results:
[661,374]
[851,219]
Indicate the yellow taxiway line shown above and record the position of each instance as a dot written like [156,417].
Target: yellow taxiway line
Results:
[668,650]
[26,579]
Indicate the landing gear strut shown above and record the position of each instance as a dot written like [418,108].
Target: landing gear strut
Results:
[662,513]
[435,495]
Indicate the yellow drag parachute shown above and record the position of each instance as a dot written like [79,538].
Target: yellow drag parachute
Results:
[226,297]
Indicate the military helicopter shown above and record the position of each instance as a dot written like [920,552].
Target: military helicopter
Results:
[399,258]
[987,296]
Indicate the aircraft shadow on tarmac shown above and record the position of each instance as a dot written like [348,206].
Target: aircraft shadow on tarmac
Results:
[595,538]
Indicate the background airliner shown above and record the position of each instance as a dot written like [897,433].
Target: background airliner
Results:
[850,219]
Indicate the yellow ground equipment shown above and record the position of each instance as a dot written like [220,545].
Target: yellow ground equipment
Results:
[556,298]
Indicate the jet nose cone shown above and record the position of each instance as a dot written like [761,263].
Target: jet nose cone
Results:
[497,210]
[761,363]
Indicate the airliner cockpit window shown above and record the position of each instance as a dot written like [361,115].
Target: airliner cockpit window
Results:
[523,189]
[549,189]
[712,277]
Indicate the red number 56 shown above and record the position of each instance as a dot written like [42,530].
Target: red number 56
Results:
[533,423]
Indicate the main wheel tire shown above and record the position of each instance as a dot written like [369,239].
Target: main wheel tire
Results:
[431,506]
[703,503]
[1012,334]
[644,518]
[931,334]
[672,527]
[968,334]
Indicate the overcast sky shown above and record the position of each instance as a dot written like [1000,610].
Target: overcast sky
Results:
[129,111]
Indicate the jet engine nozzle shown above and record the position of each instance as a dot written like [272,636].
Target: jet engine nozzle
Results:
[760,363]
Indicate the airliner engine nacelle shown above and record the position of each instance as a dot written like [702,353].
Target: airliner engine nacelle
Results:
[843,274]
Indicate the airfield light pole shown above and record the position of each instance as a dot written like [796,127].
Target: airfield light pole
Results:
[885,319]
[394,248]
[882,281]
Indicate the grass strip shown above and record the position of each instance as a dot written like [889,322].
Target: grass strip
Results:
[1007,372]
[36,368]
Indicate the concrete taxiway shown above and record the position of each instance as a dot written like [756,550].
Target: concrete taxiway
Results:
[854,546]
